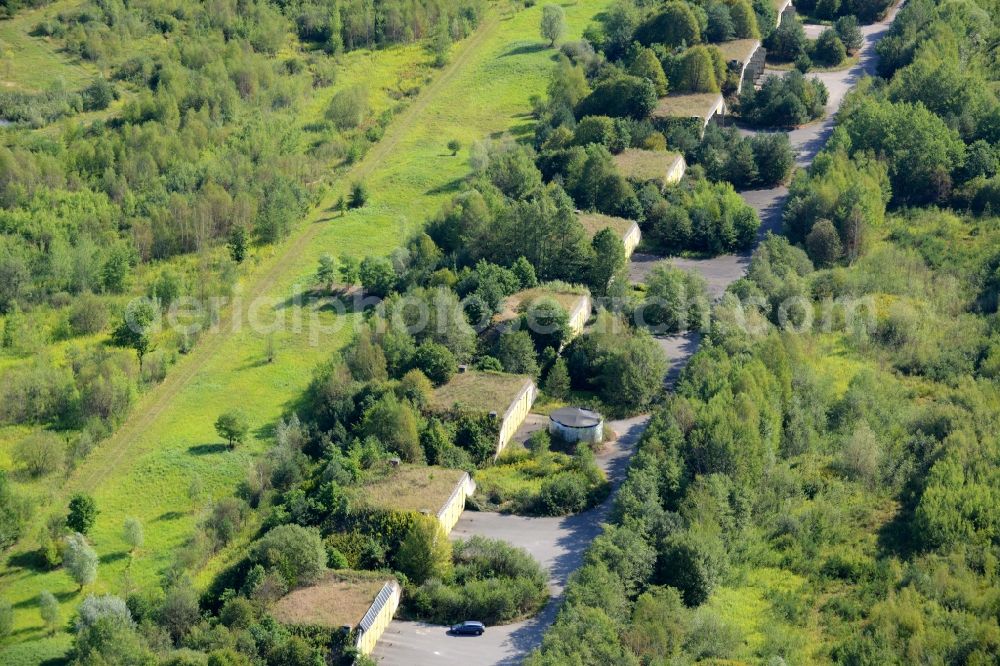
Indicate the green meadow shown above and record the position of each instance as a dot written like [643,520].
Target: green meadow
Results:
[32,63]
[145,470]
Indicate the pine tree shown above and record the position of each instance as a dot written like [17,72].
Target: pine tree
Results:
[557,381]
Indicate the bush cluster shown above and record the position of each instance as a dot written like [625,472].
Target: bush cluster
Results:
[493,582]
[783,101]
[760,161]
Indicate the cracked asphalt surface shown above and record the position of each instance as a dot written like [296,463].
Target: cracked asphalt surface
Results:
[806,141]
[560,543]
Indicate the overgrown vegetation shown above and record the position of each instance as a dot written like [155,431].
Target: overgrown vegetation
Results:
[815,490]
[538,479]
[783,101]
[491,580]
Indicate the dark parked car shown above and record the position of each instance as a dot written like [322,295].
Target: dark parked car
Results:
[468,628]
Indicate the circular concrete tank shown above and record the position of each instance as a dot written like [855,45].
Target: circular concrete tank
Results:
[576,424]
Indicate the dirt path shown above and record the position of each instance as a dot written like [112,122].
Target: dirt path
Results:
[110,455]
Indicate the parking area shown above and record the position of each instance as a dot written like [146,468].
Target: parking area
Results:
[420,644]
[558,543]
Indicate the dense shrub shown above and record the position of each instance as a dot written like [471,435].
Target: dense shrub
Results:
[676,301]
[40,454]
[569,484]
[720,23]
[610,132]
[395,425]
[623,96]
[624,366]
[538,224]
[852,194]
[922,152]
[699,69]
[783,101]
[787,42]
[563,494]
[866,11]
[294,552]
[98,95]
[647,66]
[493,582]
[14,511]
[348,107]
[88,314]
[829,50]
[435,361]
[675,25]
[425,551]
[763,160]
[707,217]
[849,32]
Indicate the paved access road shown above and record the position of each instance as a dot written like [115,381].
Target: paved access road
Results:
[806,141]
[560,543]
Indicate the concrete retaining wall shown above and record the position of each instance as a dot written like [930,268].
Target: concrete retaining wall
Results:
[516,413]
[786,11]
[378,617]
[581,313]
[631,239]
[453,508]
[676,172]
[751,70]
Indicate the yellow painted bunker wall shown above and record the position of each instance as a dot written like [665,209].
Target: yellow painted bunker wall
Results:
[516,414]
[631,239]
[377,619]
[676,172]
[578,318]
[453,508]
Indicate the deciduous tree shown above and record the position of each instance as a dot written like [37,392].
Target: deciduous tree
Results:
[132,532]
[327,270]
[608,260]
[557,381]
[676,25]
[82,513]
[232,426]
[425,551]
[80,560]
[48,608]
[553,23]
[647,66]
[293,551]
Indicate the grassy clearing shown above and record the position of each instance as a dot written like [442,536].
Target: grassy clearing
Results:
[480,391]
[413,488]
[757,607]
[391,76]
[840,363]
[646,165]
[738,49]
[33,63]
[337,601]
[692,105]
[145,470]
[515,482]
[516,473]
